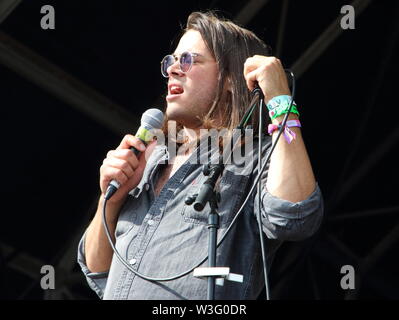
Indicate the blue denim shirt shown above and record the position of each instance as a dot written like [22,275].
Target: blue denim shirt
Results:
[162,236]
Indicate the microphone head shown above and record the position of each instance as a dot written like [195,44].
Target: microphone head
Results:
[152,119]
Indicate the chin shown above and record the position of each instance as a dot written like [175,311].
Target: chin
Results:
[182,116]
[174,112]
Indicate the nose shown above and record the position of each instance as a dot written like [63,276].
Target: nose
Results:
[175,69]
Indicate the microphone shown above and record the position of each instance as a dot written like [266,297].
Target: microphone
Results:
[150,120]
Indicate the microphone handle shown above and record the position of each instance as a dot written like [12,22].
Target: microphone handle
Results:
[136,151]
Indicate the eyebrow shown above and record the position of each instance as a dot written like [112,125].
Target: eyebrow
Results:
[196,53]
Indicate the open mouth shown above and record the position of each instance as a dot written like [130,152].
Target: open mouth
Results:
[175,89]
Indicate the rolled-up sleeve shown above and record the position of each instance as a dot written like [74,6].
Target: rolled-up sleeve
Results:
[96,280]
[291,221]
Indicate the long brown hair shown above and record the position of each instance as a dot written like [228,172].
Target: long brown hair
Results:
[230,45]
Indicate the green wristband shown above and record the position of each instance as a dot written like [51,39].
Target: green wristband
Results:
[279,105]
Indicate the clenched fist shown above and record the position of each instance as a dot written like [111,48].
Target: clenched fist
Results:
[269,73]
[124,166]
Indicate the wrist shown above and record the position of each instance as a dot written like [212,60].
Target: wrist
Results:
[279,119]
[288,130]
[281,105]
[112,209]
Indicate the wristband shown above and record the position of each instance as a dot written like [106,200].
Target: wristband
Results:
[279,105]
[289,135]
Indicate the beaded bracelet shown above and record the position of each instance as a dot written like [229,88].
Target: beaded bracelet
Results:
[279,105]
[289,135]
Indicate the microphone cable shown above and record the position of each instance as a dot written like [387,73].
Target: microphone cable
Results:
[223,236]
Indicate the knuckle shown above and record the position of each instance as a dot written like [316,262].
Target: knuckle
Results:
[106,175]
[111,154]
[104,164]
[134,140]
[121,177]
[111,172]
[126,153]
[134,164]
[125,166]
[127,137]
[121,153]
[125,141]
[247,61]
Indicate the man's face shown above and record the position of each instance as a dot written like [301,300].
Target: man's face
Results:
[191,94]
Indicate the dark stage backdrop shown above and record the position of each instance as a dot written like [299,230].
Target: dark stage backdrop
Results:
[69,94]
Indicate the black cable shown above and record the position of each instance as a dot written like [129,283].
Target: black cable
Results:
[259,218]
[258,214]
[123,261]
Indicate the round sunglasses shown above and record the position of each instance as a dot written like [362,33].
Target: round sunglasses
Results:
[186,60]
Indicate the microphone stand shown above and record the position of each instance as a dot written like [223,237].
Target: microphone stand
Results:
[215,275]
[208,194]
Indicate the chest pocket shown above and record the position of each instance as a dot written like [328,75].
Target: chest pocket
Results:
[232,190]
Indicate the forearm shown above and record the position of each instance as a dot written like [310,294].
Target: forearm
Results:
[98,251]
[290,174]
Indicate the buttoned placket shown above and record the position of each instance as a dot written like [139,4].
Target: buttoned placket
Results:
[151,222]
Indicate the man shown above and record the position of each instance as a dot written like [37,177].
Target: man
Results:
[155,231]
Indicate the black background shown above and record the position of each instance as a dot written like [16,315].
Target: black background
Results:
[347,100]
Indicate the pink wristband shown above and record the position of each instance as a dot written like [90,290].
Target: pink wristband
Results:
[289,135]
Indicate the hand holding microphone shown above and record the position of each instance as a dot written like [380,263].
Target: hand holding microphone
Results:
[123,168]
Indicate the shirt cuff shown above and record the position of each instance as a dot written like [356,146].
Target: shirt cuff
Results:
[96,280]
[288,220]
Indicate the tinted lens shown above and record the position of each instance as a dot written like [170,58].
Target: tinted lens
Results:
[166,63]
[186,60]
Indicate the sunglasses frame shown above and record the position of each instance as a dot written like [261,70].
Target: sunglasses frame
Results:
[175,57]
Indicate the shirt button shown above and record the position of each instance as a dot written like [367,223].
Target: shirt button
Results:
[147,186]
[132,261]
[150,222]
